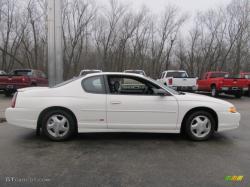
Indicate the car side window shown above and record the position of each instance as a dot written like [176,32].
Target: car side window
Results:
[94,85]
[126,85]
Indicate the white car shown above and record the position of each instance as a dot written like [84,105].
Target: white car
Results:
[119,102]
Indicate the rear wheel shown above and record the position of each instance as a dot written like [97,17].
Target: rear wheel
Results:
[200,126]
[214,92]
[238,95]
[7,93]
[58,125]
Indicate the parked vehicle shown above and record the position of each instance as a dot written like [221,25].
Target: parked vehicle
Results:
[178,80]
[119,102]
[246,75]
[222,82]
[22,78]
[141,72]
[2,72]
[88,71]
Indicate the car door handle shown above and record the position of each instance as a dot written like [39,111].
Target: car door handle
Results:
[116,102]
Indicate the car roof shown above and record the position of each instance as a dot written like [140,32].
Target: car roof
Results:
[133,70]
[114,73]
[175,71]
[217,72]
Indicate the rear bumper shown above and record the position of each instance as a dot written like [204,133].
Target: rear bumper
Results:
[233,90]
[184,88]
[228,121]
[22,117]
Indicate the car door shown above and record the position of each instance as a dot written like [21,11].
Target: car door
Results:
[92,105]
[130,107]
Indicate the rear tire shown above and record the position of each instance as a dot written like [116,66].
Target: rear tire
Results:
[214,91]
[7,93]
[58,125]
[200,126]
[238,95]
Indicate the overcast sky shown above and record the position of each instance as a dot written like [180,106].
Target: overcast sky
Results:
[190,6]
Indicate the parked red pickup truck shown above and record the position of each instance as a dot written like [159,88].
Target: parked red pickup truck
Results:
[222,82]
[246,75]
[22,78]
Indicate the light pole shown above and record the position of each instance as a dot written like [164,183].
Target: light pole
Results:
[55,61]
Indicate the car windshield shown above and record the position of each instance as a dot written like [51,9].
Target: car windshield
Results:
[21,73]
[165,87]
[218,75]
[177,74]
[89,72]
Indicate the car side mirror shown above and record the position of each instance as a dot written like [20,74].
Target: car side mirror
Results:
[161,92]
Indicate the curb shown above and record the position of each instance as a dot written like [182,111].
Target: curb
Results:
[2,120]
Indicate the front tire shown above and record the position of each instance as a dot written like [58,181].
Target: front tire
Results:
[200,126]
[58,125]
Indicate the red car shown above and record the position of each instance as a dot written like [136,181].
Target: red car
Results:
[22,78]
[223,82]
[246,75]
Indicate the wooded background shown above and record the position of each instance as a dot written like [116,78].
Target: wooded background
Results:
[116,37]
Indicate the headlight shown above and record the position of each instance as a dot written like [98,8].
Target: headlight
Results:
[232,110]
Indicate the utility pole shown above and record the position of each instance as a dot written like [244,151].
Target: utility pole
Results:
[55,59]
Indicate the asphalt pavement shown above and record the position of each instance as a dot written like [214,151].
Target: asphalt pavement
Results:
[126,159]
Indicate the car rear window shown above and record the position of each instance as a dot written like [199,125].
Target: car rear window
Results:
[21,73]
[94,84]
[177,74]
[218,75]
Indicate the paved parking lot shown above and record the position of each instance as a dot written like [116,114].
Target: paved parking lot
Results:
[125,159]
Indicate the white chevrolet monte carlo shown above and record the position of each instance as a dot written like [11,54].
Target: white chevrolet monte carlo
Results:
[119,102]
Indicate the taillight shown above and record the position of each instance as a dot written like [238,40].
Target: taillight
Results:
[25,79]
[170,81]
[13,101]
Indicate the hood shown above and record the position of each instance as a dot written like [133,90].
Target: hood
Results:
[203,98]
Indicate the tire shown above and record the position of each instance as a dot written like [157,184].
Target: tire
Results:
[58,125]
[248,92]
[214,92]
[7,93]
[197,129]
[238,95]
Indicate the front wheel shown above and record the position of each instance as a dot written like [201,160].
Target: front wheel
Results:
[200,126]
[58,125]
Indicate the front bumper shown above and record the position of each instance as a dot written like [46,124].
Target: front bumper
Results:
[22,117]
[228,121]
